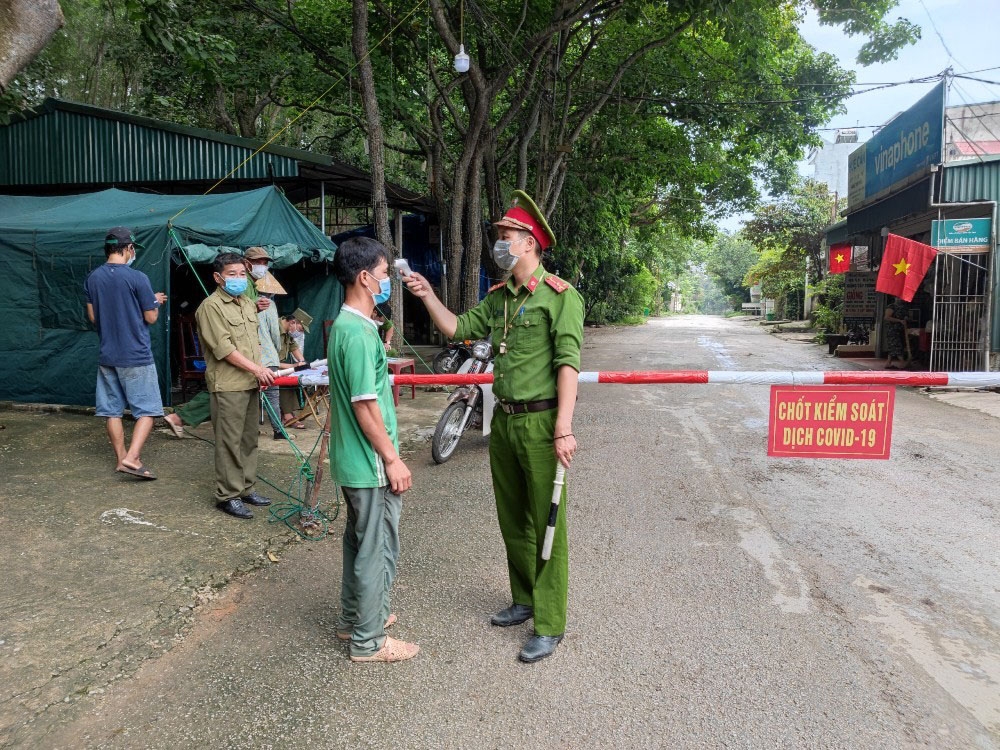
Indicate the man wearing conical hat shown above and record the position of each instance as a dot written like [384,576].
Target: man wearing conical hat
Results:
[536,323]
[269,328]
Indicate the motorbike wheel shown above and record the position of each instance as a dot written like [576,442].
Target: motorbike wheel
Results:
[448,361]
[445,361]
[446,434]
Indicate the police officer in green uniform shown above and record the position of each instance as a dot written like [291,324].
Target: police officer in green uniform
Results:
[227,325]
[536,321]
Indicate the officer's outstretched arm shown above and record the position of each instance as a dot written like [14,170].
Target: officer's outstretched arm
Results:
[443,318]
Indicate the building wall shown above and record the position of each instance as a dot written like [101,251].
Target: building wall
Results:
[829,164]
[971,131]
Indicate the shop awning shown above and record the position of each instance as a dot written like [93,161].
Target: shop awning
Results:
[905,203]
[836,233]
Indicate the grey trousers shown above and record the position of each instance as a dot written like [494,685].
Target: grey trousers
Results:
[273,397]
[371,549]
[234,421]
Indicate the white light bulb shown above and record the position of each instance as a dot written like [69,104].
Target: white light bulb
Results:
[461,60]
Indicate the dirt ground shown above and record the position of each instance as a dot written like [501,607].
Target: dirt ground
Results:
[103,571]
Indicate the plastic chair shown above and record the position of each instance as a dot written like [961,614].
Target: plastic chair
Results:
[192,362]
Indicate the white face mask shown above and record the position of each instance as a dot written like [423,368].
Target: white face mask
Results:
[502,255]
[258,272]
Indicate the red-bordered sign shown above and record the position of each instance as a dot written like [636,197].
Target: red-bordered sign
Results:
[830,422]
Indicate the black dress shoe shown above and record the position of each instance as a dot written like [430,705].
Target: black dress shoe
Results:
[252,498]
[234,507]
[538,647]
[515,614]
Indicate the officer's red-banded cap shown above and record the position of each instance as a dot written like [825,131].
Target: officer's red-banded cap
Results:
[525,215]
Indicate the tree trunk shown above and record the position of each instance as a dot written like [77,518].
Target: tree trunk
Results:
[376,148]
[473,232]
[26,26]
[373,122]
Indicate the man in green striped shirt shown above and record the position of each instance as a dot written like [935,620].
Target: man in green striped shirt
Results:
[364,455]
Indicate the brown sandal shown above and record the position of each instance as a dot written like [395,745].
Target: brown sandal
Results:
[392,650]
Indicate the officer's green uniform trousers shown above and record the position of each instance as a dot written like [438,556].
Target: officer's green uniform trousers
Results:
[523,464]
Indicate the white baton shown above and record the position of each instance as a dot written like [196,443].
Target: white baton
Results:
[557,489]
[291,370]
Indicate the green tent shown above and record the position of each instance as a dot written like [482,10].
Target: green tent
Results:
[48,245]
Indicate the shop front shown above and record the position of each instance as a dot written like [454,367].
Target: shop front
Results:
[902,185]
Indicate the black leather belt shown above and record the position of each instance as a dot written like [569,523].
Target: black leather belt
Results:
[509,407]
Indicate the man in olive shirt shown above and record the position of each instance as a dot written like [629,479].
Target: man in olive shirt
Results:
[227,325]
[536,321]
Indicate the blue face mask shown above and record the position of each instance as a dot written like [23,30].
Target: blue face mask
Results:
[235,287]
[131,260]
[384,290]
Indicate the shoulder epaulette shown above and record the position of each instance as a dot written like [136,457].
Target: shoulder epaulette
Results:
[556,283]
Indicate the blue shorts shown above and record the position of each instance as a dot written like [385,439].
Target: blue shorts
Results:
[135,387]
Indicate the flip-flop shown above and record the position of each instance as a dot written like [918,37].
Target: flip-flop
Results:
[141,471]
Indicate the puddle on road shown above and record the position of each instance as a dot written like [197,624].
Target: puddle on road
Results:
[719,350]
[968,674]
[791,590]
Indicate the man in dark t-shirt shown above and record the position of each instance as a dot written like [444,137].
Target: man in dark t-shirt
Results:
[122,305]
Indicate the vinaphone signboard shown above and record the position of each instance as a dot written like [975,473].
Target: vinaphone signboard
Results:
[905,146]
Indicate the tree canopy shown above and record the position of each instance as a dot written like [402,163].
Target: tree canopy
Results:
[633,124]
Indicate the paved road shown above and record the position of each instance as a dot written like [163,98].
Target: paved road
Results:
[718,598]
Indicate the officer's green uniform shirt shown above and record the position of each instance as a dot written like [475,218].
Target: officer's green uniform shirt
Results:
[227,324]
[545,332]
[358,371]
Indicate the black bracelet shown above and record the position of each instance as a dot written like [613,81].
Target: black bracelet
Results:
[568,434]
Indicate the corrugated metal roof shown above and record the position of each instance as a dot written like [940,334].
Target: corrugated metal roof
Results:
[73,144]
[68,147]
[972,181]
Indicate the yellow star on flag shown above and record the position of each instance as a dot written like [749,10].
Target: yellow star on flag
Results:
[839,258]
[901,267]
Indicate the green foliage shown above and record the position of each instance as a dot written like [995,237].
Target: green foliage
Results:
[868,19]
[729,259]
[635,126]
[789,233]
[828,314]
[780,271]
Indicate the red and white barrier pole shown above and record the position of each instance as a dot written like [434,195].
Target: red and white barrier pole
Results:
[732,377]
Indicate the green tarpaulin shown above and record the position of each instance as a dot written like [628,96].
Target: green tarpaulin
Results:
[48,245]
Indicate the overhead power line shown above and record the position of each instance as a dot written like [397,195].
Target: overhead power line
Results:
[673,101]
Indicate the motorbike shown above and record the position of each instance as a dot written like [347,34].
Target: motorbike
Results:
[465,405]
[452,357]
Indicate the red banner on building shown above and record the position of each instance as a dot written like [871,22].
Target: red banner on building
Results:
[830,421]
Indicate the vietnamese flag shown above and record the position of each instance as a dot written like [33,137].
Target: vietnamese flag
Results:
[840,258]
[904,265]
